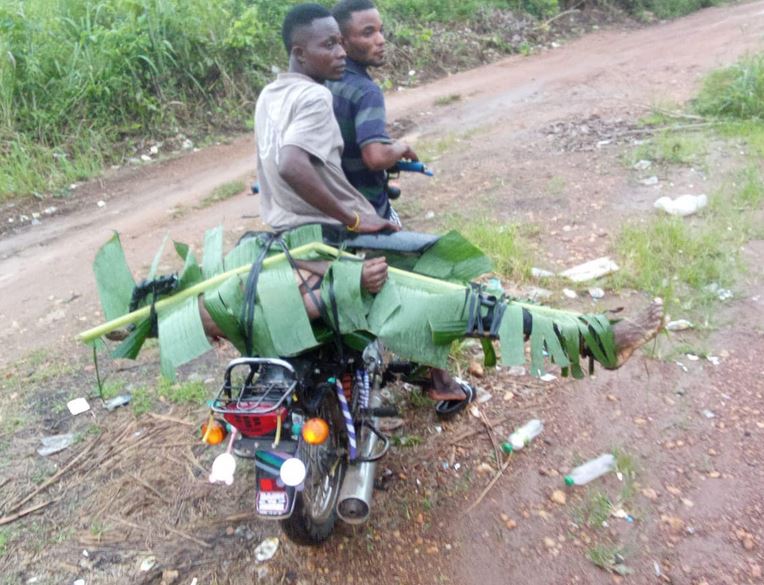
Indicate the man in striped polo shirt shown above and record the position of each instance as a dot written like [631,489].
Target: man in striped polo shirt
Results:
[359,106]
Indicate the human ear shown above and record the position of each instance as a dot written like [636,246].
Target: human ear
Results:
[299,54]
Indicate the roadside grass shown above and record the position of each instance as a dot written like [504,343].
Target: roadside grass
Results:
[671,147]
[223,192]
[447,100]
[735,92]
[5,536]
[431,149]
[504,243]
[686,260]
[607,557]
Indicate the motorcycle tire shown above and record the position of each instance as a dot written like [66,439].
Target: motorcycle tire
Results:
[314,515]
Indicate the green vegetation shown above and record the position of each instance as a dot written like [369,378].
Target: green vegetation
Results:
[735,92]
[447,100]
[675,259]
[4,538]
[185,392]
[502,243]
[83,82]
[607,557]
[223,192]
[671,147]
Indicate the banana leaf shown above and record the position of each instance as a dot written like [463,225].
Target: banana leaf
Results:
[113,278]
[414,315]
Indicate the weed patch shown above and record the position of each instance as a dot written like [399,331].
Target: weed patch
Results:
[734,92]
[671,147]
[503,243]
[223,192]
[675,259]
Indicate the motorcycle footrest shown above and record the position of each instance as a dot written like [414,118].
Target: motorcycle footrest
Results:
[381,412]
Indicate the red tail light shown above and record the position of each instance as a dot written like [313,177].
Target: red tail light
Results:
[254,424]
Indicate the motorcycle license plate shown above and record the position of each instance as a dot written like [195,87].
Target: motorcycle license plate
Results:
[272,503]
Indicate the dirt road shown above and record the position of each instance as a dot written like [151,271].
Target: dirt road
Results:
[495,153]
[607,73]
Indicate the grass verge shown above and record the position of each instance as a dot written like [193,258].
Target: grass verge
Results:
[505,244]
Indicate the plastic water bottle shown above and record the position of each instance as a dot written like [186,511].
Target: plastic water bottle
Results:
[522,436]
[590,470]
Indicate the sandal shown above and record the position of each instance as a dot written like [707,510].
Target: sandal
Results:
[447,409]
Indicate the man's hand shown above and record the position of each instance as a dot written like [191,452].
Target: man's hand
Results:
[408,153]
[374,274]
[371,224]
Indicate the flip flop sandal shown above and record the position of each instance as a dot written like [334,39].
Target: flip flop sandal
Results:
[446,409]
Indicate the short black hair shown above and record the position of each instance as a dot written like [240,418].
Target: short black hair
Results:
[344,10]
[298,17]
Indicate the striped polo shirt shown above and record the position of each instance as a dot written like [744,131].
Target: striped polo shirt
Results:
[359,107]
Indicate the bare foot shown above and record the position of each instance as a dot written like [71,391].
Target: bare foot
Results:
[444,387]
[631,334]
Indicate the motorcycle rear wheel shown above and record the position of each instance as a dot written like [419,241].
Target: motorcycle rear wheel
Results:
[314,515]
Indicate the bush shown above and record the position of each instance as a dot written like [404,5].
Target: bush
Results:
[735,92]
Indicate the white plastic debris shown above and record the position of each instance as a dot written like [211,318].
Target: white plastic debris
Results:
[145,158]
[569,293]
[541,273]
[679,325]
[55,443]
[692,357]
[548,378]
[223,469]
[266,549]
[682,205]
[78,406]
[714,359]
[649,181]
[147,564]
[101,203]
[154,149]
[708,413]
[642,165]
[590,270]
[681,365]
[187,144]
[117,401]
[596,293]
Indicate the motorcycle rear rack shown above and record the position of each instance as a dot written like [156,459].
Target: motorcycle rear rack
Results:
[253,396]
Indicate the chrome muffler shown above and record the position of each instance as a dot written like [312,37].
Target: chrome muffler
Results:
[354,502]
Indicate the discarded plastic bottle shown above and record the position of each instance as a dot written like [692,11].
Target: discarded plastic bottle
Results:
[590,470]
[522,436]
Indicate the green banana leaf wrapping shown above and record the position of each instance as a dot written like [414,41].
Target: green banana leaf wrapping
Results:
[415,316]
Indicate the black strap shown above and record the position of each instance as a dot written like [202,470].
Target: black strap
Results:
[250,291]
[156,287]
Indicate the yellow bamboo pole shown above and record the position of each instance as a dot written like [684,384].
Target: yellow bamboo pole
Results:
[94,333]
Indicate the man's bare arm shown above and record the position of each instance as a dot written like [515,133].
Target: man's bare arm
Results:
[296,168]
[380,156]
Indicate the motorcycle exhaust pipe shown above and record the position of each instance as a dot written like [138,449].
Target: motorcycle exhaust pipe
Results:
[354,502]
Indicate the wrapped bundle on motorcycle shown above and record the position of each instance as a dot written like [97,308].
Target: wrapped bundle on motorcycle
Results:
[303,403]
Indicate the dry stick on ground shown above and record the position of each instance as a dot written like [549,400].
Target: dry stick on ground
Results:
[490,485]
[188,537]
[164,417]
[489,430]
[55,477]
[149,488]
[13,517]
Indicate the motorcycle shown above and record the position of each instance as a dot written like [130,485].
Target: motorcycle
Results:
[309,424]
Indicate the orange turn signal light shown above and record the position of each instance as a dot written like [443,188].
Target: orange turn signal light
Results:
[315,431]
[213,432]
